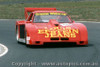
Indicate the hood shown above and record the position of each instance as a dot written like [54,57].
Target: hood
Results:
[53,23]
[55,29]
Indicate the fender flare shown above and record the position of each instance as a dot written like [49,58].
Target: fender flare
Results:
[83,31]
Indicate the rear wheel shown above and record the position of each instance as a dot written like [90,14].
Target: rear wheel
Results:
[17,35]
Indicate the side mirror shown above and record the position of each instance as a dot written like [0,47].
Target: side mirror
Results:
[28,21]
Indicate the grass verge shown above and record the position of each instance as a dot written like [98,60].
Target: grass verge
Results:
[87,10]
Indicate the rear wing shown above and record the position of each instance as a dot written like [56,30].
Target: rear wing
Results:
[28,9]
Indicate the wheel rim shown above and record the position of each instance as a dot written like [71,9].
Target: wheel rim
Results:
[17,35]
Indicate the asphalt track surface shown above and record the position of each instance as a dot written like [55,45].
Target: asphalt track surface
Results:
[19,53]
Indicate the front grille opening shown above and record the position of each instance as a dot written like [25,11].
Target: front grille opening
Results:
[54,38]
[64,38]
[81,42]
[37,42]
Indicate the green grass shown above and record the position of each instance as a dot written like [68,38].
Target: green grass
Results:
[77,10]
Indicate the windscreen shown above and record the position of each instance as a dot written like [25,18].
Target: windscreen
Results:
[45,17]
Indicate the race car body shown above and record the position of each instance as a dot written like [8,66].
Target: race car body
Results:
[44,25]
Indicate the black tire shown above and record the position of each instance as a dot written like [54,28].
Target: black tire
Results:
[17,34]
[27,45]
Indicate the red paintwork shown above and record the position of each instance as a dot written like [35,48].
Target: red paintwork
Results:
[32,28]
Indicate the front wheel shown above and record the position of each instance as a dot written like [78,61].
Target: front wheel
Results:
[26,38]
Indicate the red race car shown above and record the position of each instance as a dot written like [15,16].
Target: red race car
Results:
[44,25]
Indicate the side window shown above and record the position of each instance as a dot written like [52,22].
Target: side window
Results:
[37,19]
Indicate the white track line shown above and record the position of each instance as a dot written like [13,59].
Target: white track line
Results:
[5,48]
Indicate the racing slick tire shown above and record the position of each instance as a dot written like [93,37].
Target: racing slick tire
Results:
[17,35]
[26,39]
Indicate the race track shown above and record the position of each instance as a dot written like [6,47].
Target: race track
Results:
[19,53]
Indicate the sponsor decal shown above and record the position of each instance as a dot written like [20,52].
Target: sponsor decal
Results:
[59,32]
[50,14]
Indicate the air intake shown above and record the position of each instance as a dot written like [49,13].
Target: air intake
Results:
[54,38]
[64,38]
[56,24]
